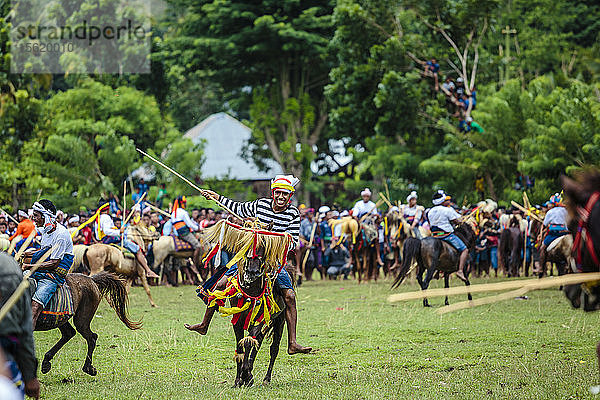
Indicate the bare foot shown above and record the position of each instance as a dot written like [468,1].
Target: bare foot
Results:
[380,263]
[295,348]
[151,274]
[461,276]
[197,328]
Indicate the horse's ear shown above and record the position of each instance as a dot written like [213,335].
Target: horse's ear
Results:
[574,190]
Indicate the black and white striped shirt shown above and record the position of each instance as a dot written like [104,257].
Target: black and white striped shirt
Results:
[262,209]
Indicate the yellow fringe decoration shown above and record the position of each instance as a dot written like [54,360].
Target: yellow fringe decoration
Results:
[227,293]
[239,240]
[238,357]
[249,340]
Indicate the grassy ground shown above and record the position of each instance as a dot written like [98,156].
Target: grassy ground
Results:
[368,349]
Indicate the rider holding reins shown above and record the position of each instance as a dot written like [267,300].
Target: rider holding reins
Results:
[279,211]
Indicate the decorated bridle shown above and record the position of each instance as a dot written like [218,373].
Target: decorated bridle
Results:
[582,235]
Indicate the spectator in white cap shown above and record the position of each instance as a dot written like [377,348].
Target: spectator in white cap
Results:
[413,214]
[364,206]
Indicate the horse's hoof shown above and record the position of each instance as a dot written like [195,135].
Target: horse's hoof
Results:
[250,383]
[90,370]
[447,303]
[46,367]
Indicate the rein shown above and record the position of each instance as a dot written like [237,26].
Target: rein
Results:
[582,231]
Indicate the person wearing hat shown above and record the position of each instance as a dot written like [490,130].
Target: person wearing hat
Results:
[107,233]
[441,218]
[474,126]
[555,222]
[51,273]
[364,206]
[279,211]
[413,213]
[184,225]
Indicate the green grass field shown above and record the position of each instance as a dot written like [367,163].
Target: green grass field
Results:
[367,349]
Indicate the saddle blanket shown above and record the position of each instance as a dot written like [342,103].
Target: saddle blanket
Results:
[59,309]
[126,253]
[181,245]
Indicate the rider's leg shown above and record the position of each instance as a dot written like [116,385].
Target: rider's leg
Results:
[36,310]
[139,256]
[202,328]
[461,265]
[542,268]
[291,318]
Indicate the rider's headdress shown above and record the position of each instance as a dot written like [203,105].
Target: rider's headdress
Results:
[412,195]
[284,182]
[439,198]
[180,201]
[48,210]
[556,199]
[366,192]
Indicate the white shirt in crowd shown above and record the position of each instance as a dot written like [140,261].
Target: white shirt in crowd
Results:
[61,238]
[556,216]
[107,226]
[415,211]
[361,208]
[182,215]
[440,216]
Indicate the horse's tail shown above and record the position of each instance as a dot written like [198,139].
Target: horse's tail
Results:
[84,267]
[410,252]
[113,287]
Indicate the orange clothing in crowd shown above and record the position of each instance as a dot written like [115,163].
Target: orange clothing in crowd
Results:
[24,229]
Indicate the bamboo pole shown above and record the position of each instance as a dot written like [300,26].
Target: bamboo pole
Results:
[9,216]
[134,206]
[485,300]
[177,174]
[166,214]
[532,284]
[25,245]
[520,207]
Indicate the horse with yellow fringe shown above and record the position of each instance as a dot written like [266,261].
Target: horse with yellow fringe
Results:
[255,305]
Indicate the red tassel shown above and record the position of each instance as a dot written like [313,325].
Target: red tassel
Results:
[212,253]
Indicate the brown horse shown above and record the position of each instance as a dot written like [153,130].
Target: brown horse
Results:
[399,230]
[100,257]
[87,292]
[433,254]
[510,248]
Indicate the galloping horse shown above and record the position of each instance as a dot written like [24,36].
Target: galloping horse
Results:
[399,230]
[433,254]
[253,284]
[86,292]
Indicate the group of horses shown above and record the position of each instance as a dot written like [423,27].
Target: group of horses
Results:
[430,255]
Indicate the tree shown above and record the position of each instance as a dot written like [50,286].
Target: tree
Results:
[271,58]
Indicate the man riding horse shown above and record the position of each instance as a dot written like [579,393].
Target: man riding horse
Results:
[413,213]
[184,226]
[107,233]
[285,218]
[441,219]
[556,223]
[51,273]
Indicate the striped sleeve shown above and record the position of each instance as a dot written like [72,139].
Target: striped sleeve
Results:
[294,228]
[246,209]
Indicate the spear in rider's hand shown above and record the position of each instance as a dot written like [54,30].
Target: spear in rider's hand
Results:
[9,216]
[25,245]
[133,208]
[177,174]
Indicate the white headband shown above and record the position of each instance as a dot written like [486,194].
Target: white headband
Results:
[23,214]
[366,192]
[74,219]
[49,216]
[412,195]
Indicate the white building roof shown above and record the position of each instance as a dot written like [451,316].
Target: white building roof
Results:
[224,138]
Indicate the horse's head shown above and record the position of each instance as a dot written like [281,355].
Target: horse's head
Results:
[253,272]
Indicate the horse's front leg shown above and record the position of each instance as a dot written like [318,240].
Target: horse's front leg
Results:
[238,330]
[251,345]
[274,349]
[446,285]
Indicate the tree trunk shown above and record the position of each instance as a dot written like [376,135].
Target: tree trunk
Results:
[490,184]
[15,200]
